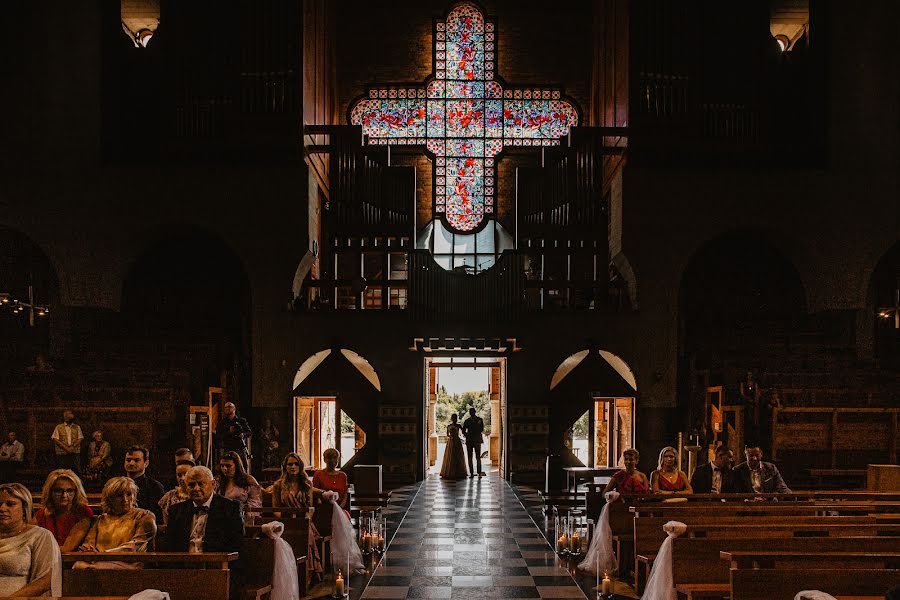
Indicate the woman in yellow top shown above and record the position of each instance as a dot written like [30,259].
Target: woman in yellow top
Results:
[123,527]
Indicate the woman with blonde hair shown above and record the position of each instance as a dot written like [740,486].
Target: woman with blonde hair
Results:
[64,504]
[123,527]
[30,563]
[667,479]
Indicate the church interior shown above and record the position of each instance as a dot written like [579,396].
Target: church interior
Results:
[548,277]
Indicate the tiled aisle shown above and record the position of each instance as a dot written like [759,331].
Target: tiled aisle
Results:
[469,539]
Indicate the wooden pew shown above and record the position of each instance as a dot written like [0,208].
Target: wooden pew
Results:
[698,570]
[296,534]
[562,500]
[796,496]
[172,576]
[648,532]
[672,511]
[783,584]
[767,559]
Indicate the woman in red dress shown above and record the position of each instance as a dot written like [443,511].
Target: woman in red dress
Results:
[329,479]
[64,504]
[629,480]
[667,479]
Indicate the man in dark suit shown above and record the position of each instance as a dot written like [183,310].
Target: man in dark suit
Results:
[150,491]
[472,429]
[715,477]
[756,476]
[207,522]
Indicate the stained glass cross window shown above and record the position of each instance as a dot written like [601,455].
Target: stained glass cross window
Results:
[465,117]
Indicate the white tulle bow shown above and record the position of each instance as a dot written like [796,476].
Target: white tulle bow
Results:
[813,595]
[285,584]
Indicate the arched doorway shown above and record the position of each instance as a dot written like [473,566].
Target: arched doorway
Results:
[593,393]
[335,403]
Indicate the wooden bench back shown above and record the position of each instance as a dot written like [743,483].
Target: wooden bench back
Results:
[258,558]
[778,584]
[767,508]
[181,583]
[696,560]
[649,534]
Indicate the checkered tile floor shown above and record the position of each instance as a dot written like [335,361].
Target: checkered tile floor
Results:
[470,539]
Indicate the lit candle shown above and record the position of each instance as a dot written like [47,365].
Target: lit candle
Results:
[576,543]
[339,584]
[380,541]
[562,543]
[606,588]
[367,542]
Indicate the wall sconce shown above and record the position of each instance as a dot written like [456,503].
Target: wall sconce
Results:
[784,42]
[142,37]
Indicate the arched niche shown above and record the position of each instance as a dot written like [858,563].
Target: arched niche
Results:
[187,291]
[884,302]
[741,302]
[28,282]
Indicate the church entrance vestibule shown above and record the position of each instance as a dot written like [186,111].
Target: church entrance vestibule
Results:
[453,384]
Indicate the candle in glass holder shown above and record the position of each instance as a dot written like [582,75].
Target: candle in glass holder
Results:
[606,587]
[339,584]
[562,543]
[575,543]
[367,542]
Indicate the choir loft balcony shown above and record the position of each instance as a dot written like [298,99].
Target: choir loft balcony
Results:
[550,252]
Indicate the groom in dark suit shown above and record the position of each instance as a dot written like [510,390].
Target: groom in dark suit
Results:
[715,477]
[472,429]
[206,522]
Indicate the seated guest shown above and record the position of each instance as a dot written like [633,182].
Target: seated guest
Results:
[756,476]
[180,493]
[715,477]
[208,522]
[99,456]
[235,483]
[292,488]
[150,491]
[123,527]
[329,479]
[30,564]
[666,479]
[184,454]
[332,479]
[65,504]
[629,480]
[12,457]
